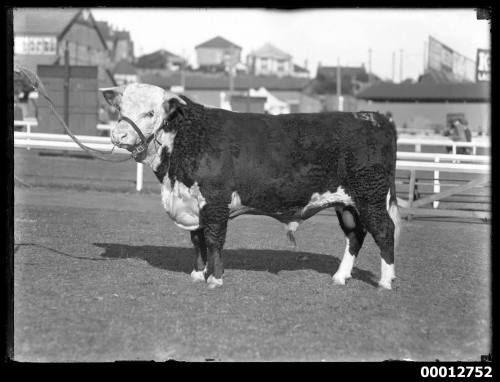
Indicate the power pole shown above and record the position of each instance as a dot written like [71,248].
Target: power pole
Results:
[401,65]
[425,56]
[339,87]
[370,65]
[393,66]
[66,84]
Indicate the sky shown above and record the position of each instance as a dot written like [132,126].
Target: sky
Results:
[325,36]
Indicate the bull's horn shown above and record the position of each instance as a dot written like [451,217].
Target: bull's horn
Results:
[171,95]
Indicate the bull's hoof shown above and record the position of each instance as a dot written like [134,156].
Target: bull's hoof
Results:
[213,282]
[339,279]
[384,285]
[197,276]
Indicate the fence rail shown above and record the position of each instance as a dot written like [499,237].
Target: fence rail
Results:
[406,161]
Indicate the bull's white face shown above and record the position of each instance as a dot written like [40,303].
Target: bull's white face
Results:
[146,105]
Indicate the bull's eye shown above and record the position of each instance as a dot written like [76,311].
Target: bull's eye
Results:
[149,114]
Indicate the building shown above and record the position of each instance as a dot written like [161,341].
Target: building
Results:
[353,80]
[159,62]
[207,88]
[269,60]
[42,36]
[425,106]
[125,73]
[217,54]
[119,43]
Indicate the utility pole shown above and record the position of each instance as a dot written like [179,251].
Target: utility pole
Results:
[66,84]
[425,56]
[393,66]
[370,65]
[401,65]
[340,99]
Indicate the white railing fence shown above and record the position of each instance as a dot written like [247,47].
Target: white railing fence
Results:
[411,161]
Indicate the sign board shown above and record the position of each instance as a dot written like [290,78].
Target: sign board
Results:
[35,45]
[443,58]
[483,65]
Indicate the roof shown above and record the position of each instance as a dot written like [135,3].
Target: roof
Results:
[121,35]
[217,42]
[124,67]
[105,29]
[358,72]
[472,92]
[299,69]
[270,51]
[158,59]
[202,81]
[49,21]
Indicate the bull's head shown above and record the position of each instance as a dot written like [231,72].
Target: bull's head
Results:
[144,110]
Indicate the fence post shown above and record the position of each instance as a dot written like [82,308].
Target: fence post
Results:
[139,180]
[411,192]
[28,130]
[437,187]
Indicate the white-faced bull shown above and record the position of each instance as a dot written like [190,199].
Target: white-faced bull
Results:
[214,165]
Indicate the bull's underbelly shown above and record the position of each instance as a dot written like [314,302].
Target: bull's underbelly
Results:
[183,205]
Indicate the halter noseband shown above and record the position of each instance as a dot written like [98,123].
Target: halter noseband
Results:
[144,141]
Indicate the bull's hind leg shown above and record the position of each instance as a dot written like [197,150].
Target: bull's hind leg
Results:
[214,220]
[379,223]
[354,236]
[200,256]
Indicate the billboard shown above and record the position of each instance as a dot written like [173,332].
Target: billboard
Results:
[441,57]
[483,65]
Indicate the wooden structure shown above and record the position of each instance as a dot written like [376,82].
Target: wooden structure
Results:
[75,86]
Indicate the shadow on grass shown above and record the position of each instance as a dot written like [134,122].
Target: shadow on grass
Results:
[179,259]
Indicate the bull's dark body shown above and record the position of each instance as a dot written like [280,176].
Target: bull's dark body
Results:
[275,164]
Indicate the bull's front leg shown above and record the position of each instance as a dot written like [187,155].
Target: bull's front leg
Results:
[214,218]
[200,256]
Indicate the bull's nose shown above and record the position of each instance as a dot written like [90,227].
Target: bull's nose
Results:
[117,137]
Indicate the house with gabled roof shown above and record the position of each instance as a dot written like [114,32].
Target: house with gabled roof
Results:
[160,61]
[270,60]
[217,54]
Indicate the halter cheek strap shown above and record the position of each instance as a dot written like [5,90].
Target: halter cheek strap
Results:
[144,141]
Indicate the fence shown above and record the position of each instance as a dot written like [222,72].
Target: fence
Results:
[410,162]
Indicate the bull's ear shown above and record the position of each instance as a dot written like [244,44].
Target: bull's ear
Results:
[173,107]
[113,95]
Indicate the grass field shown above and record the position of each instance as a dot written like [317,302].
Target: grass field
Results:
[102,274]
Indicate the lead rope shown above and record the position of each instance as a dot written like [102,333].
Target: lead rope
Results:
[38,85]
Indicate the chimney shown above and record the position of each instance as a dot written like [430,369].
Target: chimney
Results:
[306,64]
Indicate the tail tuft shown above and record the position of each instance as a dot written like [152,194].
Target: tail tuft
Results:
[393,210]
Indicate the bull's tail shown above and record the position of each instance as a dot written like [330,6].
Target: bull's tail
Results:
[393,210]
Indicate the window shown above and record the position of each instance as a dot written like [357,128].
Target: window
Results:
[281,66]
[264,64]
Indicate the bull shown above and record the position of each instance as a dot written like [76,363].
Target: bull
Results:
[214,165]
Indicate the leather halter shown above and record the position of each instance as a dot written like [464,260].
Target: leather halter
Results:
[144,141]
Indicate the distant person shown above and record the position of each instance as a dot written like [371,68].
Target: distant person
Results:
[456,133]
[389,117]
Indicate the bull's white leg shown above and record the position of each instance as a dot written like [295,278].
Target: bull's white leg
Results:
[197,276]
[345,268]
[213,282]
[387,274]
